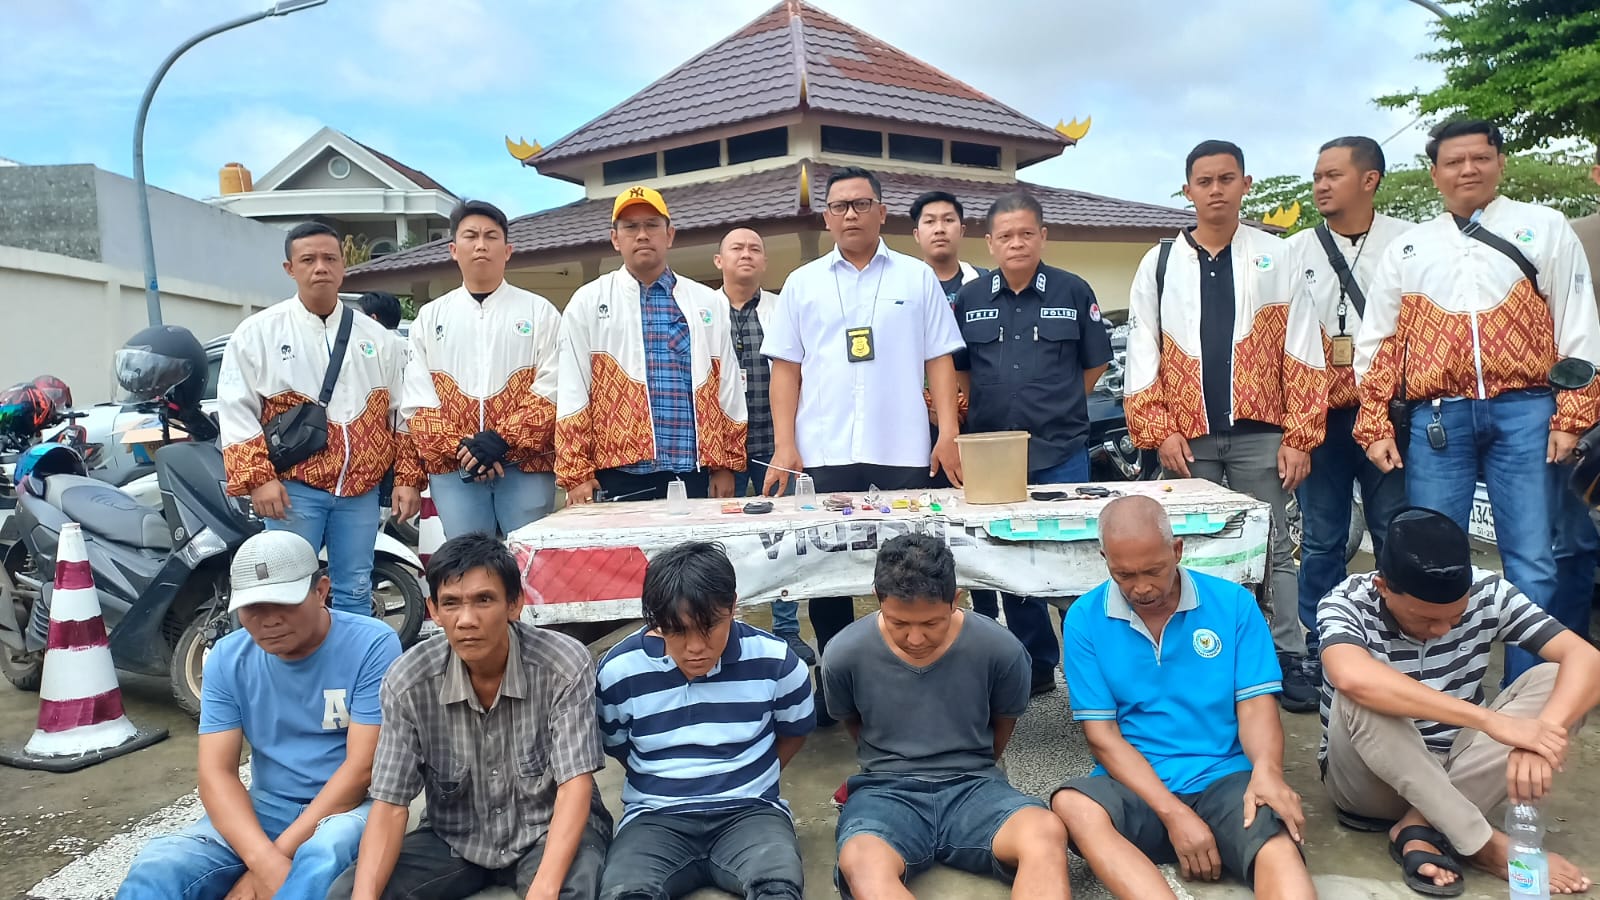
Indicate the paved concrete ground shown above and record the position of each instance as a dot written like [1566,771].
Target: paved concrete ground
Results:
[71,836]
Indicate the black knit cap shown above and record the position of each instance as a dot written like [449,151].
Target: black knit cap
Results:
[1426,555]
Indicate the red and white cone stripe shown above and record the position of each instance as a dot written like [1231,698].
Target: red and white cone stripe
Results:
[80,703]
[430,529]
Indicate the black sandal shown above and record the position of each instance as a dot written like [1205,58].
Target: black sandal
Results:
[1364,824]
[1411,862]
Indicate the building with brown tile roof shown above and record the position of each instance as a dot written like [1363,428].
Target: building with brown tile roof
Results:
[737,136]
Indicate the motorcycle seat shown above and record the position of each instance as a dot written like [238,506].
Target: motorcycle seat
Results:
[108,513]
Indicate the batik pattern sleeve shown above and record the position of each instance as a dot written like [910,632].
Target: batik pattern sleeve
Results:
[1380,352]
[407,467]
[1569,285]
[1305,373]
[720,412]
[531,423]
[420,407]
[244,447]
[1092,700]
[397,762]
[794,713]
[1149,417]
[575,745]
[366,706]
[1522,624]
[1256,672]
[574,417]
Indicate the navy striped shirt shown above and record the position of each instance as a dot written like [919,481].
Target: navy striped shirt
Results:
[709,743]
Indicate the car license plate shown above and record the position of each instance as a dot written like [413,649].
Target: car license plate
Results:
[1481,526]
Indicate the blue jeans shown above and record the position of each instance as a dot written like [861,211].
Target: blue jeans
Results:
[506,503]
[1325,508]
[785,613]
[1027,618]
[1507,439]
[1577,550]
[198,864]
[348,527]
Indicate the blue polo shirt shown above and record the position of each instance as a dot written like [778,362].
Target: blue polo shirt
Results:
[1174,696]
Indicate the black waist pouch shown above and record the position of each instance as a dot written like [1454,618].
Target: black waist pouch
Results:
[302,432]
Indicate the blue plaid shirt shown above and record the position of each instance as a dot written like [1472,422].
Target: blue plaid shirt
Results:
[669,376]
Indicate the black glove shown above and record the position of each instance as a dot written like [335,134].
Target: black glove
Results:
[488,448]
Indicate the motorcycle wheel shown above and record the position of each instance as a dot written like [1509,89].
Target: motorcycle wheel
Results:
[202,626]
[397,599]
[407,532]
[24,669]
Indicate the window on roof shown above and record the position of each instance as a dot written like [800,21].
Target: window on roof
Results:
[984,156]
[692,158]
[912,148]
[629,168]
[758,145]
[852,141]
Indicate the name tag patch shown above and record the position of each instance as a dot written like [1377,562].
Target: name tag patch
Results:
[1058,312]
[979,315]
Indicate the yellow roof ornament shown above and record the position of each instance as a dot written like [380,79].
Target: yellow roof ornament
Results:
[805,188]
[521,150]
[1283,217]
[1076,130]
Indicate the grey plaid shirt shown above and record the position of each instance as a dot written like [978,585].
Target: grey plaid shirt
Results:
[747,335]
[490,776]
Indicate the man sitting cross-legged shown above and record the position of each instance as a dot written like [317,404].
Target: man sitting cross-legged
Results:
[1409,743]
[703,711]
[1173,676]
[300,683]
[495,722]
[931,695]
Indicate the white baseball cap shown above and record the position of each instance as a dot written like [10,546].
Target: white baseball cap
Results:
[272,567]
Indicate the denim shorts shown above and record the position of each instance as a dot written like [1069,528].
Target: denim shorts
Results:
[953,821]
[1220,805]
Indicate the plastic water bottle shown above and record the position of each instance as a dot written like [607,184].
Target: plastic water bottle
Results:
[1527,869]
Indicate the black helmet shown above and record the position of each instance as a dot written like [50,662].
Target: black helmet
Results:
[163,360]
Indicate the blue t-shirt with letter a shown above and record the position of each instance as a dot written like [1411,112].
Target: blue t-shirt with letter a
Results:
[1175,704]
[295,713]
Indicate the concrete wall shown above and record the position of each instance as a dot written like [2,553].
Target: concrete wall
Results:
[50,208]
[67,317]
[194,241]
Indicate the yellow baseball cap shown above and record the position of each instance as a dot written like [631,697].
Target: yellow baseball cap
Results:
[639,194]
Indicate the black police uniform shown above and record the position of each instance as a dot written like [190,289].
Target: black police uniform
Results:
[1027,354]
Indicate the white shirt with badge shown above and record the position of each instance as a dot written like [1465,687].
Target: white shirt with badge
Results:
[862,339]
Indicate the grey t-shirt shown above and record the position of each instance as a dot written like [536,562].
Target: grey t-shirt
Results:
[935,721]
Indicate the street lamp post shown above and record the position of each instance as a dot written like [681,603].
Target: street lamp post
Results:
[152,291]
[1443,14]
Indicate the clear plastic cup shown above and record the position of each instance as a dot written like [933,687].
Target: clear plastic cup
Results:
[805,492]
[677,498]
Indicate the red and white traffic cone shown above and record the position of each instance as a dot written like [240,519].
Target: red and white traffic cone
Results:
[81,720]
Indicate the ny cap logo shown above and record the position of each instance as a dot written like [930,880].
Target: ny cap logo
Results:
[637,193]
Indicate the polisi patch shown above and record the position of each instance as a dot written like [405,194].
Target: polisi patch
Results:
[980,315]
[1058,312]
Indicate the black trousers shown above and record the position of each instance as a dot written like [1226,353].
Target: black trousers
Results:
[630,487]
[429,870]
[748,852]
[830,615]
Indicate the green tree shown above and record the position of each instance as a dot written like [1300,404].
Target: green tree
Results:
[1281,192]
[1531,66]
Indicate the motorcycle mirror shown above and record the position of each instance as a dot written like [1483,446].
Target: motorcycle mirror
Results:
[1572,374]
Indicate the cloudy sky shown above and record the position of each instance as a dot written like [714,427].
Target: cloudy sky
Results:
[438,84]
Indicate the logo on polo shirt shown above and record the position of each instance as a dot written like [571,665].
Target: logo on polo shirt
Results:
[1058,312]
[1408,251]
[603,311]
[1311,276]
[1262,262]
[1094,312]
[286,352]
[438,332]
[367,348]
[979,315]
[1206,643]
[524,327]
[1524,235]
[705,316]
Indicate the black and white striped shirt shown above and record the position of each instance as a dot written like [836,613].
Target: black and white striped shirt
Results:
[1354,613]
